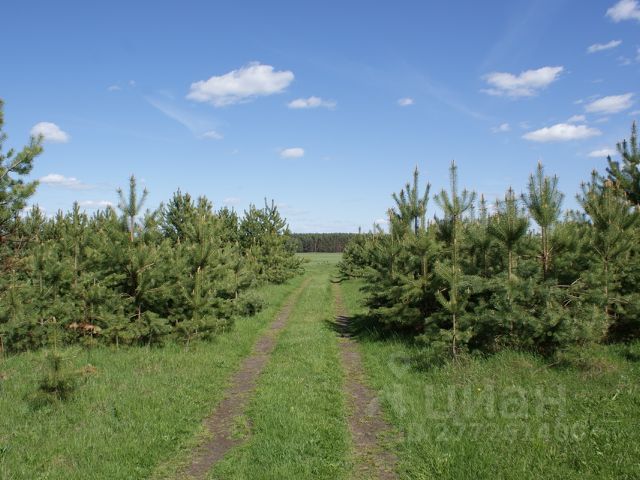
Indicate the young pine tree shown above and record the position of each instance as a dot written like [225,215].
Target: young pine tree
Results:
[508,226]
[411,206]
[131,206]
[14,189]
[613,219]
[544,201]
[480,242]
[627,176]
[454,205]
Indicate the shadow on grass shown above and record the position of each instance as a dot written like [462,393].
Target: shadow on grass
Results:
[631,356]
[630,352]
[364,328]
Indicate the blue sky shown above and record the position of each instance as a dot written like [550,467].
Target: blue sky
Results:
[325,107]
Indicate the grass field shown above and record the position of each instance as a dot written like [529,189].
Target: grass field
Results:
[139,408]
[511,415]
[139,411]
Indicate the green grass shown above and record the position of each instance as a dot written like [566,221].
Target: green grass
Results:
[139,409]
[511,415]
[299,428]
[325,259]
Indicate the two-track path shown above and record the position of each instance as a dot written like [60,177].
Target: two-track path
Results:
[364,420]
[220,424]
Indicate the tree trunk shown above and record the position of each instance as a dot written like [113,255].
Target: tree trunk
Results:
[453,343]
[545,254]
[606,288]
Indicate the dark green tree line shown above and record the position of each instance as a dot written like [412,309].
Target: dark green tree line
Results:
[184,271]
[322,242]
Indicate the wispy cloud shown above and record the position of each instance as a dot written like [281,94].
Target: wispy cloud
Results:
[312,102]
[95,204]
[624,10]
[405,102]
[577,119]
[449,98]
[524,84]
[118,86]
[241,85]
[502,128]
[58,180]
[610,104]
[599,47]
[199,125]
[624,61]
[293,152]
[212,135]
[231,201]
[603,152]
[50,132]
[561,132]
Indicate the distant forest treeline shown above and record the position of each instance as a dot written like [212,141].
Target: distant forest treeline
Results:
[322,242]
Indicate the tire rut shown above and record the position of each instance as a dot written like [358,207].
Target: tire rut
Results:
[220,424]
[366,422]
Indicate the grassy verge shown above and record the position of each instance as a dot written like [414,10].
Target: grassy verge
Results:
[298,425]
[511,415]
[136,409]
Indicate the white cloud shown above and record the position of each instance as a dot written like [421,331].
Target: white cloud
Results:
[577,119]
[561,132]
[603,152]
[611,104]
[405,102]
[212,135]
[634,113]
[624,61]
[624,10]
[114,88]
[294,152]
[57,180]
[199,125]
[231,201]
[95,204]
[50,132]
[598,47]
[638,54]
[252,80]
[504,127]
[526,84]
[311,102]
